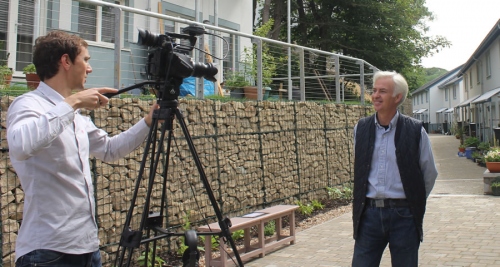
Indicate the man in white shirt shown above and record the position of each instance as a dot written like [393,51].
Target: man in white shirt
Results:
[49,146]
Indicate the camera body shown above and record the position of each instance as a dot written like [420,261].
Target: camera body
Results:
[167,60]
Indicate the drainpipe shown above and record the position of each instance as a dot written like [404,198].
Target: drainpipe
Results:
[36,21]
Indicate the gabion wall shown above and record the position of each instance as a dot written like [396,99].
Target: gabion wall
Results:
[254,154]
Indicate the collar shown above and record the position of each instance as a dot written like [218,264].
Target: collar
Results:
[392,124]
[49,93]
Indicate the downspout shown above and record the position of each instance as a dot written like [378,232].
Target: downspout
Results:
[36,21]
[148,19]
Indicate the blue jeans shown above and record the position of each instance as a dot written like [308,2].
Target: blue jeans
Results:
[44,257]
[380,226]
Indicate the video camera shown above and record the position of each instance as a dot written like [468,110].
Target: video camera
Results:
[167,59]
[169,63]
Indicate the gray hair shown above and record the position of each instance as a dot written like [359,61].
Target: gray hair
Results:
[400,84]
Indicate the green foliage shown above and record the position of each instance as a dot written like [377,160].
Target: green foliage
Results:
[304,209]
[336,193]
[186,226]
[5,70]
[391,35]
[433,73]
[235,79]
[269,228]
[268,60]
[471,141]
[237,235]
[317,205]
[29,69]
[476,155]
[484,146]
[156,262]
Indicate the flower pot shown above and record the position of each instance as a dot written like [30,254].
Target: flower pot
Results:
[7,78]
[469,151]
[250,92]
[33,80]
[237,93]
[493,166]
[461,149]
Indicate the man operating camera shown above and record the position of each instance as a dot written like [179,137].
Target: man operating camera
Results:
[49,146]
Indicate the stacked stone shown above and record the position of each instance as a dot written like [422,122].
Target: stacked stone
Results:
[253,153]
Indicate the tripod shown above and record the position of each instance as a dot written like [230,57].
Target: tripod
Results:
[150,229]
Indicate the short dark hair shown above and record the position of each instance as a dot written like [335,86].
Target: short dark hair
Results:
[49,49]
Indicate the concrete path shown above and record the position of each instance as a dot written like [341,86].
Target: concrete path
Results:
[461,225]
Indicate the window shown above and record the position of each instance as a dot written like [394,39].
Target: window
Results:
[25,20]
[422,98]
[465,82]
[426,97]
[488,64]
[97,23]
[470,80]
[446,94]
[454,91]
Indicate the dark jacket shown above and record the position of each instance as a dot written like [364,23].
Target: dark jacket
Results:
[407,143]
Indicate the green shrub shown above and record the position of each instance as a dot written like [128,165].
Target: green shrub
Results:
[317,205]
[30,69]
[237,235]
[484,146]
[269,228]
[471,142]
[305,209]
[156,262]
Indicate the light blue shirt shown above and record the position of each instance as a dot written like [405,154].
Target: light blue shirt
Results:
[384,180]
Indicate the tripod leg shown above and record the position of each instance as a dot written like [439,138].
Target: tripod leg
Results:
[131,239]
[191,255]
[222,223]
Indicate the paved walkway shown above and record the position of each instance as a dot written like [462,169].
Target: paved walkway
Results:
[461,225]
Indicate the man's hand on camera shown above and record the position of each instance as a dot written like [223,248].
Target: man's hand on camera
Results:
[90,99]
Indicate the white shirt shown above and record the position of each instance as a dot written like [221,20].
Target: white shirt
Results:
[49,147]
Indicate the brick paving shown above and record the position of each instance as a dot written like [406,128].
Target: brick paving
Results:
[461,225]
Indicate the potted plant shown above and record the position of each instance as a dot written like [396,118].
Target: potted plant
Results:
[459,132]
[461,148]
[5,75]
[235,81]
[471,144]
[31,77]
[492,159]
[268,63]
[495,187]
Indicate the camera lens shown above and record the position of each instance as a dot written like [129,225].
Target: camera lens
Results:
[147,38]
[206,70]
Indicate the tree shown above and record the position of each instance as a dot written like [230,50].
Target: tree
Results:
[389,34]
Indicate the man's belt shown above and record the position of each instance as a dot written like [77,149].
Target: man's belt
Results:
[387,203]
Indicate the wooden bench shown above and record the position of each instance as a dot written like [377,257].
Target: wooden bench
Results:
[246,222]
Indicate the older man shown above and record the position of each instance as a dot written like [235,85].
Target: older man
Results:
[394,173]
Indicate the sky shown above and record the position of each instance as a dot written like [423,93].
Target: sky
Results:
[465,23]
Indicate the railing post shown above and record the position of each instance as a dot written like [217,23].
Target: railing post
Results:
[362,80]
[337,79]
[302,76]
[258,42]
[118,46]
